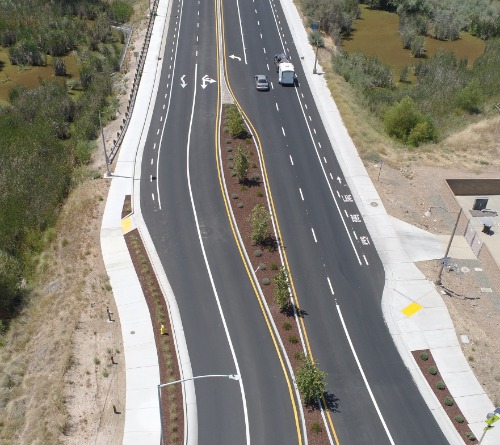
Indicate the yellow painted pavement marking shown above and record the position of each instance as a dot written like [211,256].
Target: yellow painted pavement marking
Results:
[411,309]
[126,224]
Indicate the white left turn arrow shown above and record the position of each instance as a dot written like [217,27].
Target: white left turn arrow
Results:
[235,57]
[205,79]
[183,82]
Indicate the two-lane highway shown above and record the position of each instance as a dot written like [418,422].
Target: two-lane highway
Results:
[225,328]
[337,276]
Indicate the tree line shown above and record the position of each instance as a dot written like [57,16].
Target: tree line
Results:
[48,133]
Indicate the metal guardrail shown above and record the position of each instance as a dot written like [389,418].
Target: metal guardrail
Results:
[137,77]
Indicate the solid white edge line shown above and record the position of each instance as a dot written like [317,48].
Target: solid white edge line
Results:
[241,31]
[364,376]
[207,265]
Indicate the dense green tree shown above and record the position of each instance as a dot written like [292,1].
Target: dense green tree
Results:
[310,381]
[259,219]
[281,292]
[241,164]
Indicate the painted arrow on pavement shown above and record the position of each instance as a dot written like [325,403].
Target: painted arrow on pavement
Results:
[235,57]
[205,79]
[183,82]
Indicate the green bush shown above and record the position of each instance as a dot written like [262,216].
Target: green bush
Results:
[241,164]
[260,193]
[259,219]
[432,370]
[310,381]
[470,97]
[287,326]
[459,419]
[316,428]
[236,124]
[293,339]
[274,266]
[316,39]
[120,12]
[424,356]
[281,292]
[470,435]
[440,385]
[405,122]
[266,281]
[258,253]
[448,401]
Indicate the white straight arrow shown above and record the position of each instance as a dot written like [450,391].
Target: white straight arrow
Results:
[235,57]
[183,82]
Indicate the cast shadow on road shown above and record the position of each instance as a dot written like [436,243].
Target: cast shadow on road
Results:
[290,310]
[332,403]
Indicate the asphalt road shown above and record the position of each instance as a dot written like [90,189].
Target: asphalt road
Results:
[182,204]
[335,268]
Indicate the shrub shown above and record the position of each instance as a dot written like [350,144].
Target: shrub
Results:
[287,326]
[260,193]
[236,124]
[281,292]
[432,370]
[241,164]
[316,428]
[234,196]
[274,266]
[448,401]
[59,67]
[470,435]
[239,205]
[266,281]
[259,218]
[424,356]
[417,48]
[470,97]
[262,266]
[293,339]
[310,380]
[316,39]
[299,355]
[459,419]
[120,11]
[228,141]
[403,74]
[230,166]
[440,385]
[258,253]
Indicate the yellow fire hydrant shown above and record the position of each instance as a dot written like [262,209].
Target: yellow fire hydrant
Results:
[162,330]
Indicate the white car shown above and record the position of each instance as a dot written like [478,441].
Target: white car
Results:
[261,82]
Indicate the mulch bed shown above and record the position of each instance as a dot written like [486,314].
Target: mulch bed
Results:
[172,401]
[243,198]
[452,411]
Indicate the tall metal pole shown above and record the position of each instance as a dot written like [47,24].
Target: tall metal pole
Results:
[160,386]
[106,159]
[438,282]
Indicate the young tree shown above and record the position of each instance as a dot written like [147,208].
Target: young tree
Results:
[241,164]
[59,67]
[259,218]
[281,294]
[310,381]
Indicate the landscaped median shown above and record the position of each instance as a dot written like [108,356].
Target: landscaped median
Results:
[247,195]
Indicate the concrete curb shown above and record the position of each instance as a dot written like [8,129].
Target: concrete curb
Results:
[403,282]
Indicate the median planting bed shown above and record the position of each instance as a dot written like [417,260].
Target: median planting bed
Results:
[246,195]
[430,371]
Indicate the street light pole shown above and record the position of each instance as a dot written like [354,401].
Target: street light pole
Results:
[438,282]
[161,385]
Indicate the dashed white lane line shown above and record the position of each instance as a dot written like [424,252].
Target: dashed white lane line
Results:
[301,195]
[196,38]
[310,119]
[319,144]
[331,176]
[277,108]
[153,196]
[267,66]
[255,11]
[264,50]
[158,131]
[302,94]
[314,235]
[355,236]
[283,130]
[366,261]
[346,214]
[324,159]
[161,118]
[163,106]
[330,285]
[314,129]
[258,23]
[152,160]
[305,105]
[166,95]
[291,160]
[198,25]
[150,178]
[272,86]
[154,146]
[261,35]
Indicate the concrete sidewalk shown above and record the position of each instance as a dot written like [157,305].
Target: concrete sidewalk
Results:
[427,323]
[142,419]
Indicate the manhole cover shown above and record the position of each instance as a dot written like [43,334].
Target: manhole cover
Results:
[374,204]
